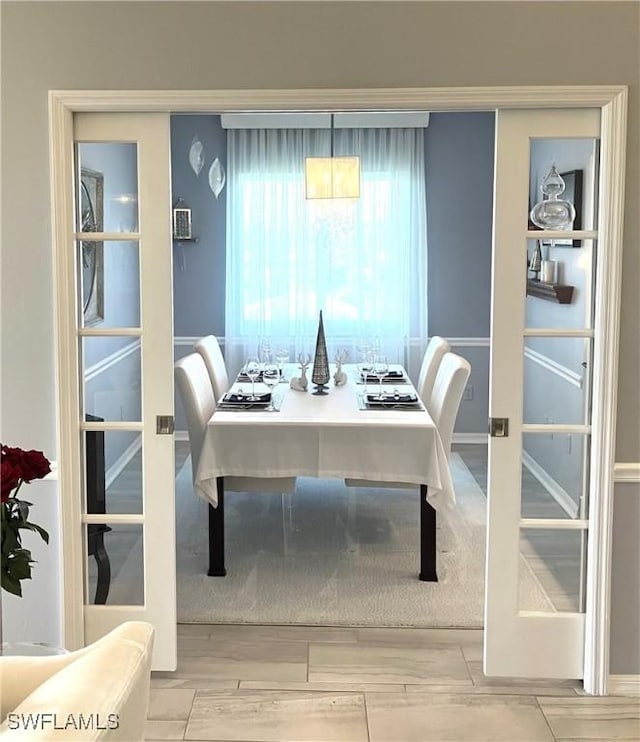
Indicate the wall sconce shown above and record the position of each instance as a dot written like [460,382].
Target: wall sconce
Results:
[332,177]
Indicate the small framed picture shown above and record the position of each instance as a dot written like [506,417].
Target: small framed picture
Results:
[182,223]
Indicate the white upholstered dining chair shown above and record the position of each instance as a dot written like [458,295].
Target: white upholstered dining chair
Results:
[209,349]
[196,392]
[431,360]
[446,395]
[443,407]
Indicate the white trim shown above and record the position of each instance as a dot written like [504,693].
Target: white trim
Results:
[66,374]
[554,332]
[610,99]
[470,437]
[108,361]
[185,340]
[624,685]
[627,472]
[559,494]
[556,368]
[475,342]
[125,457]
[383,99]
[613,135]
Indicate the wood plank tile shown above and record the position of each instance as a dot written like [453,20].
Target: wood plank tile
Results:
[170,681]
[293,633]
[585,717]
[480,679]
[170,704]
[166,730]
[363,663]
[422,637]
[325,687]
[422,717]
[263,716]
[507,690]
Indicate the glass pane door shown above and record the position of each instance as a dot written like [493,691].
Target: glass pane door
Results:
[545,250]
[124,321]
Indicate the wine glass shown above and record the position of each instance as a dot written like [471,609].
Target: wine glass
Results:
[252,372]
[364,367]
[271,379]
[282,357]
[380,370]
[264,350]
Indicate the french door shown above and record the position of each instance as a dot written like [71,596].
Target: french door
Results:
[520,639]
[543,329]
[125,374]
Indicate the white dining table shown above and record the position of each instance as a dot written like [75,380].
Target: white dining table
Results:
[326,436]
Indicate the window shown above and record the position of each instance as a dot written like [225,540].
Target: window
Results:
[362,262]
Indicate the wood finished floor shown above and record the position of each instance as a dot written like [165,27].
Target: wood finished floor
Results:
[317,684]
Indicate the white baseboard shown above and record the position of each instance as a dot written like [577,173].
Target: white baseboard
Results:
[120,463]
[624,685]
[560,495]
[470,438]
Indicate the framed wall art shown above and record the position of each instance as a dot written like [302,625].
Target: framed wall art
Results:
[91,209]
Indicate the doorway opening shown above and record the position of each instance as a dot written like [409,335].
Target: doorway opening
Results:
[614,99]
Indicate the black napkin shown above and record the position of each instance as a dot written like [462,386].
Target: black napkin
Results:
[390,376]
[245,398]
[389,398]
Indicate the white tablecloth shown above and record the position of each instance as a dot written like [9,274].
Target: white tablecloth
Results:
[326,436]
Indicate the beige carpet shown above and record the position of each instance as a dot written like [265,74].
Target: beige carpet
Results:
[338,556]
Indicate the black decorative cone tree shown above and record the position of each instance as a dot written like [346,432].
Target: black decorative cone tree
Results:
[320,375]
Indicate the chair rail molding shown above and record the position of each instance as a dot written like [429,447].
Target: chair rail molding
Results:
[611,100]
[626,472]
[554,367]
[110,360]
[472,342]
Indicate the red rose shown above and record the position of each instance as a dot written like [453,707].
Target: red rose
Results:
[34,465]
[9,478]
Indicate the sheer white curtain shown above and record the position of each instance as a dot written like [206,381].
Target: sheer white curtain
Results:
[363,262]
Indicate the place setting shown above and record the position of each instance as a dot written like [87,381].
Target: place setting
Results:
[390,399]
[237,399]
[384,398]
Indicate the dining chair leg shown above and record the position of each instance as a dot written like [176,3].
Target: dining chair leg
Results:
[427,538]
[216,534]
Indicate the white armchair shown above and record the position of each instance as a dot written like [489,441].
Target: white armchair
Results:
[100,692]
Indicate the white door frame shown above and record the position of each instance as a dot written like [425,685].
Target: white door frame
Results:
[611,99]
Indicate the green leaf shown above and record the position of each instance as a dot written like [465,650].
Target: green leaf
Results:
[39,529]
[19,566]
[10,541]
[11,585]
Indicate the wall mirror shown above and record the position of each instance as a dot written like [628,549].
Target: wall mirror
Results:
[92,251]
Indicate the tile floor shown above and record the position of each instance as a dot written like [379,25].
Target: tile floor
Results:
[322,684]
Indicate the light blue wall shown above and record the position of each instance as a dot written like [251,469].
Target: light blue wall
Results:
[459,168]
[199,269]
